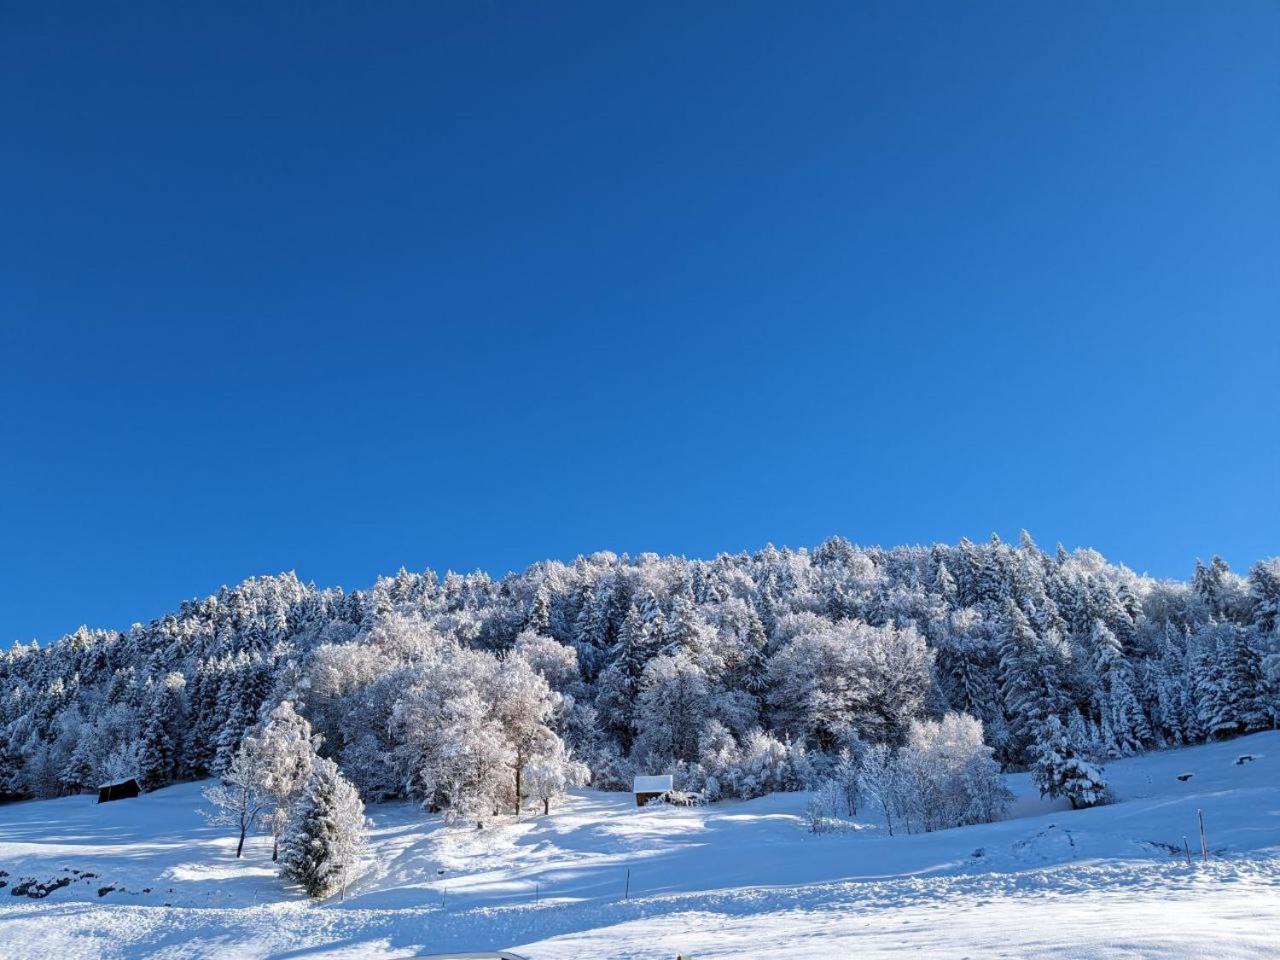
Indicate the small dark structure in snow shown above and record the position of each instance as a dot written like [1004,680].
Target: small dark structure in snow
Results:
[1245,758]
[1184,777]
[650,788]
[121,790]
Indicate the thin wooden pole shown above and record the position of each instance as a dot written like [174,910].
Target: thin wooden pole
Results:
[626,893]
[1187,847]
[1204,846]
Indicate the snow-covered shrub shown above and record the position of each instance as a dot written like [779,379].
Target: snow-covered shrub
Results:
[610,770]
[846,775]
[760,768]
[822,809]
[323,845]
[882,782]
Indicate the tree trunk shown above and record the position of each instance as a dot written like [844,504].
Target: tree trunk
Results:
[519,769]
[546,806]
[275,849]
[240,845]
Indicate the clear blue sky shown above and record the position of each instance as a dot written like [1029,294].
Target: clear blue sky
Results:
[344,287]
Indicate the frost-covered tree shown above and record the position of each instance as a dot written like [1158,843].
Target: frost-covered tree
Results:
[850,677]
[1117,702]
[1060,770]
[1029,682]
[882,782]
[671,710]
[949,775]
[523,705]
[847,776]
[324,844]
[80,773]
[285,749]
[241,798]
[1230,685]
[1264,591]
[552,775]
[160,762]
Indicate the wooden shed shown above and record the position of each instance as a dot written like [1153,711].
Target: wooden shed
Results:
[650,788]
[121,790]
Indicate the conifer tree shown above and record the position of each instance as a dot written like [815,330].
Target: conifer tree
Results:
[324,844]
[1059,769]
[1264,591]
[539,619]
[159,761]
[79,774]
[1118,704]
[1028,685]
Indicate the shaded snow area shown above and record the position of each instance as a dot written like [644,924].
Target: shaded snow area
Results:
[735,879]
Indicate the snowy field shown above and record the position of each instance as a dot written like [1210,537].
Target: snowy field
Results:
[736,879]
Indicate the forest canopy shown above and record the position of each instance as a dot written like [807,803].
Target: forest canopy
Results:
[741,675]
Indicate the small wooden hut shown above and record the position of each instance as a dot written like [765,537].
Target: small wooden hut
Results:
[120,790]
[650,788]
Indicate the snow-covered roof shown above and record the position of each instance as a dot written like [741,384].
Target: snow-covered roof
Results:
[116,783]
[652,784]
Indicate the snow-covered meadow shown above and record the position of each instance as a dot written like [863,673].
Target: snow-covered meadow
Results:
[733,879]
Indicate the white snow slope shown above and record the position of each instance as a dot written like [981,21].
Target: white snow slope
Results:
[735,879]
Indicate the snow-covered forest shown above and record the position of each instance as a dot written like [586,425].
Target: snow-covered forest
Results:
[742,675]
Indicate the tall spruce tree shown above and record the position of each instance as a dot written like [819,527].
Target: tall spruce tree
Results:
[324,844]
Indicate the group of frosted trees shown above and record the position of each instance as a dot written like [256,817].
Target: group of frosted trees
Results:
[944,775]
[740,675]
[315,817]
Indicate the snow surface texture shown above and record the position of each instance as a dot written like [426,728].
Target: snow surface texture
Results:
[735,879]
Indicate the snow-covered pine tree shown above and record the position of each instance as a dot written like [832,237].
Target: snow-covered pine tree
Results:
[80,772]
[1233,690]
[1028,685]
[1117,703]
[1059,769]
[323,846]
[632,652]
[539,619]
[1264,591]
[160,760]
[651,612]
[755,644]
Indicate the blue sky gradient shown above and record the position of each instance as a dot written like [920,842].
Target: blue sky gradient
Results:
[344,287]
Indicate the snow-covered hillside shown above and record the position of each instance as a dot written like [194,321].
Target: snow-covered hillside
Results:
[734,879]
